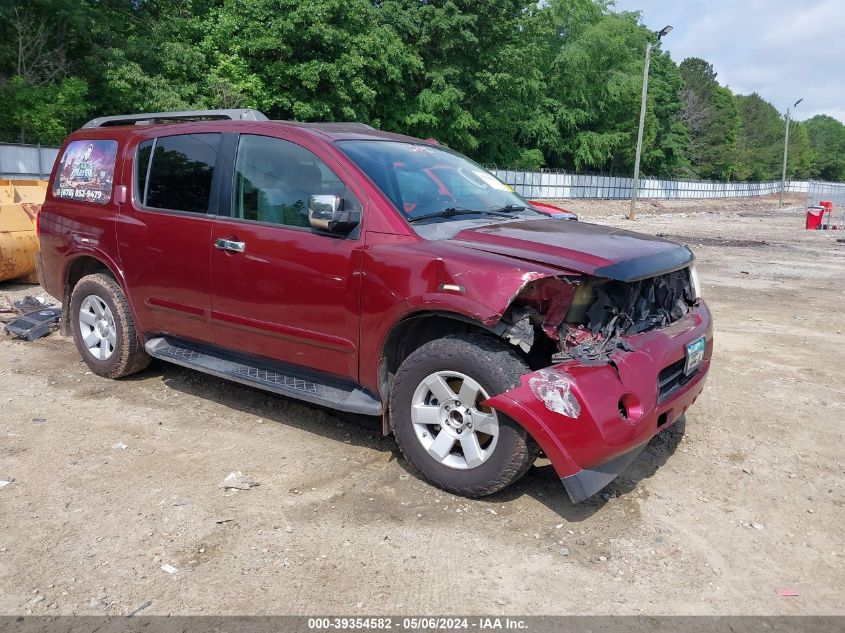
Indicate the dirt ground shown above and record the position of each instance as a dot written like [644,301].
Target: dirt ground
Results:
[716,517]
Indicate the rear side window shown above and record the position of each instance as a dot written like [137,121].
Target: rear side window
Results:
[86,171]
[176,172]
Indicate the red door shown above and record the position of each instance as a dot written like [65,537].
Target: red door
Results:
[164,234]
[281,289]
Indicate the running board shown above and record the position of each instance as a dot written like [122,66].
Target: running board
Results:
[285,382]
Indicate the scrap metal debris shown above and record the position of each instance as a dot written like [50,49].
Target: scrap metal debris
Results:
[34,325]
[139,608]
[631,308]
[615,309]
[521,332]
[30,303]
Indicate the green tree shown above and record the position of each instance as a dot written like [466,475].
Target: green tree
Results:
[476,83]
[668,154]
[39,97]
[713,121]
[41,113]
[760,143]
[826,136]
[800,155]
[511,82]
[150,58]
[595,87]
[306,59]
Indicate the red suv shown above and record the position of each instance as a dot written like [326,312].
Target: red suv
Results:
[377,274]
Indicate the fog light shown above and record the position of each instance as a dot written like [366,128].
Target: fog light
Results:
[630,408]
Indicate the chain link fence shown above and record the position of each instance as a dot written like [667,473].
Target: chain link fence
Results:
[833,192]
[830,191]
[556,184]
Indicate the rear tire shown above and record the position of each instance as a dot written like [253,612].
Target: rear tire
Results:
[446,436]
[103,328]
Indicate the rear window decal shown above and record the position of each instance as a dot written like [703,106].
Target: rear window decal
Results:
[87,171]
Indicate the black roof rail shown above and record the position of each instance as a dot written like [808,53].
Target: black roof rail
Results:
[242,114]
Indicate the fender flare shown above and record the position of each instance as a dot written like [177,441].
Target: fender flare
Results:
[111,266]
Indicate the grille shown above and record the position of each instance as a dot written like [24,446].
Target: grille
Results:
[671,379]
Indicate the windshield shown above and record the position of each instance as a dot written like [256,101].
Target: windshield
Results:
[431,182]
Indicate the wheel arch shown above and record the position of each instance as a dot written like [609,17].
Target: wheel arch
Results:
[412,332]
[80,266]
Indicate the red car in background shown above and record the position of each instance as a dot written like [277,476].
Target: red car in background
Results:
[379,274]
[552,210]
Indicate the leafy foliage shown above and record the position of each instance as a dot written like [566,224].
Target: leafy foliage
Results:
[511,82]
[711,115]
[760,145]
[826,136]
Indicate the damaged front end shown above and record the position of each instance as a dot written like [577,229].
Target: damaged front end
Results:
[586,318]
[600,351]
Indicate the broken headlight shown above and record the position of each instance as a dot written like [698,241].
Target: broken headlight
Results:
[694,283]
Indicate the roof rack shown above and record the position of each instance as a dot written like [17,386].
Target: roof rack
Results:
[147,118]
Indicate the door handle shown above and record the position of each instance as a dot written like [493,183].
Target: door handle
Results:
[229,245]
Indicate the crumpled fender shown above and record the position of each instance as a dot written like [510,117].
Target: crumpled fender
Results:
[565,408]
[571,409]
[447,279]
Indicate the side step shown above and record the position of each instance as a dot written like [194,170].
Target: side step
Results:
[285,382]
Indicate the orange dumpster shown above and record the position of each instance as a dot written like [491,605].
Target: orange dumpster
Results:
[20,203]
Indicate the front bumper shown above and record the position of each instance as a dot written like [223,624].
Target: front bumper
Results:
[591,443]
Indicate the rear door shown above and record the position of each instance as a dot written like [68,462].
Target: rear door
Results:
[164,232]
[292,293]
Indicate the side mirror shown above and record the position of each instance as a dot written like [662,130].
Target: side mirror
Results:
[326,212]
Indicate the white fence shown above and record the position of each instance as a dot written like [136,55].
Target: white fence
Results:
[549,184]
[33,161]
[26,161]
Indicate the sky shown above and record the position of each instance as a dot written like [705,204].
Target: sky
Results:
[784,50]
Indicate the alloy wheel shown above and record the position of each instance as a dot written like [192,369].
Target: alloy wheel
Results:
[96,325]
[450,423]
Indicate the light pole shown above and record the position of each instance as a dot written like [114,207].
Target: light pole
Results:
[664,31]
[785,150]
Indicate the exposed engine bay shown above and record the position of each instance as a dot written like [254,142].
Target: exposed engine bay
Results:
[586,318]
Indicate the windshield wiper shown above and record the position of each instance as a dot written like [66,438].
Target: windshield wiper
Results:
[508,208]
[451,212]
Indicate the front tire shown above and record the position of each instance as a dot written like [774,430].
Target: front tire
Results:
[103,328]
[448,438]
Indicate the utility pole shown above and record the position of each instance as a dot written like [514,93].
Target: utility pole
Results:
[785,151]
[635,184]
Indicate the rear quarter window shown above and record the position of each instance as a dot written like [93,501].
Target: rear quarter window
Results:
[86,171]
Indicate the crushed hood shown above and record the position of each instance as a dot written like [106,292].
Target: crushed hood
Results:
[581,247]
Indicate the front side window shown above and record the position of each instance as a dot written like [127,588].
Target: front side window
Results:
[176,172]
[275,178]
